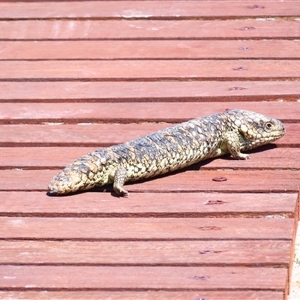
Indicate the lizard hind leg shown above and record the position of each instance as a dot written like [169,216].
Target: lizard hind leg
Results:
[232,142]
[119,180]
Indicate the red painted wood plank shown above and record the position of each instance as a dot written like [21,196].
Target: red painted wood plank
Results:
[146,295]
[147,9]
[184,253]
[149,69]
[278,181]
[178,49]
[98,135]
[220,91]
[137,112]
[262,181]
[150,205]
[26,157]
[149,29]
[146,228]
[142,278]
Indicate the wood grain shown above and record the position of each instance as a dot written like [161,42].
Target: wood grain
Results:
[197,278]
[159,91]
[147,10]
[202,204]
[143,70]
[146,228]
[146,295]
[149,29]
[151,253]
[137,112]
[178,49]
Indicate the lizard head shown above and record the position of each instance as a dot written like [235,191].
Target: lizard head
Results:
[255,129]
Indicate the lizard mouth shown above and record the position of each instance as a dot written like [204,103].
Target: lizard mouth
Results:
[261,139]
[282,132]
[274,135]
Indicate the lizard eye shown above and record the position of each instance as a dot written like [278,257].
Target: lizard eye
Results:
[268,126]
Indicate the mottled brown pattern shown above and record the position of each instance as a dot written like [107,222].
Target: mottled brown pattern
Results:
[168,150]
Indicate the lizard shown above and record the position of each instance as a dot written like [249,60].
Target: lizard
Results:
[168,150]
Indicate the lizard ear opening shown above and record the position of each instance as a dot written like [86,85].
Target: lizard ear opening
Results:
[243,136]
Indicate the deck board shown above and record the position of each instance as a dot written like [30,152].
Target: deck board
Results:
[202,204]
[152,253]
[198,92]
[146,228]
[149,29]
[145,295]
[152,70]
[148,10]
[81,75]
[136,112]
[170,278]
[178,49]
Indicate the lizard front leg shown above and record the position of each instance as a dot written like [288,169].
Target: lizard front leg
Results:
[232,142]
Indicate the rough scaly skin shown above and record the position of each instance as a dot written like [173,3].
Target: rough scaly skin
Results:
[167,150]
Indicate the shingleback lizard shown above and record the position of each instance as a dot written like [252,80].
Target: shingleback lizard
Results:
[167,150]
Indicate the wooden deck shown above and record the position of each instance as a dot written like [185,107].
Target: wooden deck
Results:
[76,76]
